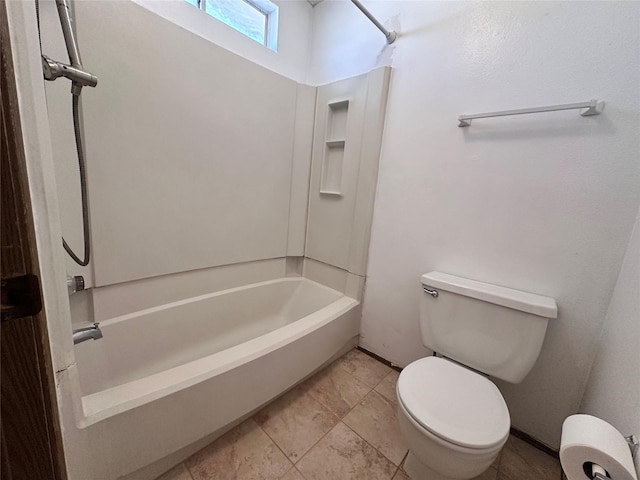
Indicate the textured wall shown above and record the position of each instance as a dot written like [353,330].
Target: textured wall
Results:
[613,391]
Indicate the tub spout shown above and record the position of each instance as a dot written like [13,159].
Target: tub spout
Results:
[82,334]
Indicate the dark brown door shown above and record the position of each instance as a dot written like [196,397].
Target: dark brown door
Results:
[30,445]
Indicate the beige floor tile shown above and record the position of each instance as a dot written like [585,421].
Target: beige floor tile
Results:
[401,475]
[491,474]
[178,472]
[521,461]
[496,462]
[244,453]
[293,474]
[336,389]
[387,387]
[343,455]
[296,422]
[375,420]
[365,368]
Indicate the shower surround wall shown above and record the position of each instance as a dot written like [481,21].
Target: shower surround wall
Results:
[346,150]
[168,192]
[543,203]
[198,179]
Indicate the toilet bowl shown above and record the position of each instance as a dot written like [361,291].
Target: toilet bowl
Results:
[454,420]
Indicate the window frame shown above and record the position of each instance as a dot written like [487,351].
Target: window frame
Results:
[269,9]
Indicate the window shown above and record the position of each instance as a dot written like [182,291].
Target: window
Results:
[257,19]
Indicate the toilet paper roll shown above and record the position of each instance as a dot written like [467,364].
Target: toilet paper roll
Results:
[586,440]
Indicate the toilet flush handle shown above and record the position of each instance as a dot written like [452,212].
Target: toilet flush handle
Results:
[432,292]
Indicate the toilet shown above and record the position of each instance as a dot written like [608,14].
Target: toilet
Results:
[453,417]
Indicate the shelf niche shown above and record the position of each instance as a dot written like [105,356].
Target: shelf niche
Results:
[336,132]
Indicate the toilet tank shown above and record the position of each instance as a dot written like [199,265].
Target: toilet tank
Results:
[496,330]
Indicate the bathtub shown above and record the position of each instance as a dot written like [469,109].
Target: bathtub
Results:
[165,377]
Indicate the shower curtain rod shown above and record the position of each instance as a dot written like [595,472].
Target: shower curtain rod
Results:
[390,34]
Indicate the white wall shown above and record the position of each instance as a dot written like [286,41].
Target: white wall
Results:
[186,167]
[613,390]
[344,43]
[542,203]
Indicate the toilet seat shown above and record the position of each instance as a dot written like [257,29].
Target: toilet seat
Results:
[454,403]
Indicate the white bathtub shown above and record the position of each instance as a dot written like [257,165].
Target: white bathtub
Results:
[165,377]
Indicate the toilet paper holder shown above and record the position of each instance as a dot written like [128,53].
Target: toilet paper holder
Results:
[634,443]
[596,472]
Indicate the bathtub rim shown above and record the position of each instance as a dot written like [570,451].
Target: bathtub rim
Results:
[107,403]
[206,296]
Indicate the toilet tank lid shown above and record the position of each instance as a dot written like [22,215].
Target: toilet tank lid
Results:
[506,297]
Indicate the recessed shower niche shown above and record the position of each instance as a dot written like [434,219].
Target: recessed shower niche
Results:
[335,140]
[348,123]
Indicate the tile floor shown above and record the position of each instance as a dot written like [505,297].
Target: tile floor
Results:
[339,424]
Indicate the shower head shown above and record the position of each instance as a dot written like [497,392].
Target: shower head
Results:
[80,78]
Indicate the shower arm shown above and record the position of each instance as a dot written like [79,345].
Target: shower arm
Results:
[74,71]
[69,34]
[389,34]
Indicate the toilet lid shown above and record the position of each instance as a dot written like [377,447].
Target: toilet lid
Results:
[454,403]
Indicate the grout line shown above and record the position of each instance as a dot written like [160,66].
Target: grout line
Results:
[401,465]
[187,466]
[340,421]
[188,470]
[357,403]
[293,464]
[313,446]
[403,459]
[383,455]
[378,359]
[293,468]
[379,383]
[306,392]
[360,403]
[184,462]
[321,403]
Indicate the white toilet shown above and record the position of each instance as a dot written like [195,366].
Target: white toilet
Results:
[453,417]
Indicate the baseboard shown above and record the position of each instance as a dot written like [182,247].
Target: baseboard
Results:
[380,359]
